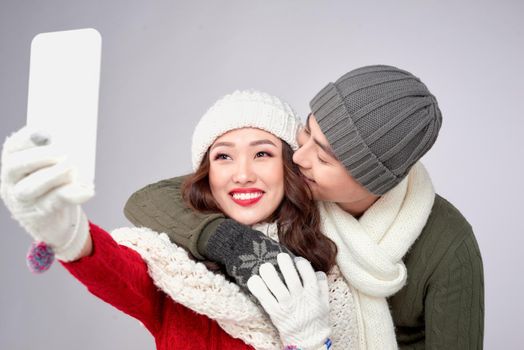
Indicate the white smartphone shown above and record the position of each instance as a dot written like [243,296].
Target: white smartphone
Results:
[64,77]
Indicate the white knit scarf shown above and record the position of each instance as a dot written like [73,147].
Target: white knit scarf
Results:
[191,284]
[370,250]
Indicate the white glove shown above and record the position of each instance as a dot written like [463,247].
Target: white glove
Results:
[41,191]
[298,309]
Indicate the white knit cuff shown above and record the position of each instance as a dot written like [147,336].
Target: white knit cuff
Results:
[71,250]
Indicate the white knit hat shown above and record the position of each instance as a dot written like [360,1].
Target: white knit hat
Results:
[244,109]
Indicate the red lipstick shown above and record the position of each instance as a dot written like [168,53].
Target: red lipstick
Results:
[246,196]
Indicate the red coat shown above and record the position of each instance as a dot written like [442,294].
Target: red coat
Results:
[118,275]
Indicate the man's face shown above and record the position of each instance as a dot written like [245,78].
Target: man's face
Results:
[328,178]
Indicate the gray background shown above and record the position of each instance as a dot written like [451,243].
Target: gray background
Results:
[165,62]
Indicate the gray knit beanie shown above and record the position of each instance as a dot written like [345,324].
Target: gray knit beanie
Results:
[379,120]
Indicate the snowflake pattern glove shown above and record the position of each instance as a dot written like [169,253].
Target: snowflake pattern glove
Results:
[242,250]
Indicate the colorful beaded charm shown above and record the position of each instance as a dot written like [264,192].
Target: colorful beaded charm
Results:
[39,257]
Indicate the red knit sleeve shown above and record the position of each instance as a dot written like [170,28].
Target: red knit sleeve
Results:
[118,275]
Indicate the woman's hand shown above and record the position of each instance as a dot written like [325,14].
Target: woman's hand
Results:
[299,308]
[40,190]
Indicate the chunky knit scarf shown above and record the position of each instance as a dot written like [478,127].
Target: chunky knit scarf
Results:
[370,251]
[191,284]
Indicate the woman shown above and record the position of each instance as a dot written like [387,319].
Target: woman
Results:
[142,273]
[226,180]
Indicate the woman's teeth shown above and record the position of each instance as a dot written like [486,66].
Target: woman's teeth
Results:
[246,196]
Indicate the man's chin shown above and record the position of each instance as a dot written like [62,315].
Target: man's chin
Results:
[317,195]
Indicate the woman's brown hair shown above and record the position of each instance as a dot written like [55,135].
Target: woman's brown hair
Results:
[297,216]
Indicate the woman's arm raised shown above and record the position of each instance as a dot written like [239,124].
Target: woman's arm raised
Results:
[39,189]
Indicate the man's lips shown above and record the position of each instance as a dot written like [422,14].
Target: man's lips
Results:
[246,196]
[307,178]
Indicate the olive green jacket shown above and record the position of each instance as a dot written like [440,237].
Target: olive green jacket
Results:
[440,307]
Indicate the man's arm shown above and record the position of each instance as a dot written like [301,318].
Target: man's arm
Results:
[160,207]
[239,248]
[442,304]
[454,302]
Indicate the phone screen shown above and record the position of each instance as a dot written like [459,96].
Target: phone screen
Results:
[64,77]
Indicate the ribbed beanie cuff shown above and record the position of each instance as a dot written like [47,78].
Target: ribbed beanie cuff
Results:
[331,114]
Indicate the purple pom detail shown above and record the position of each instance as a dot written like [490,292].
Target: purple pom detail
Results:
[39,257]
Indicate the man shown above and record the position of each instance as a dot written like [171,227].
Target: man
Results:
[410,256]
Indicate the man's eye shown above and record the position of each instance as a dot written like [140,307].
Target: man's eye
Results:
[306,132]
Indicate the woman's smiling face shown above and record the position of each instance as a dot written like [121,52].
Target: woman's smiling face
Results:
[246,174]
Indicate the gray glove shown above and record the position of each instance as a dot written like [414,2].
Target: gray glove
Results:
[241,249]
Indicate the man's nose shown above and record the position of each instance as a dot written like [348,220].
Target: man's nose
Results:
[301,157]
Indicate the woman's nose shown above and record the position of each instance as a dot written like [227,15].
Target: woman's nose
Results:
[244,173]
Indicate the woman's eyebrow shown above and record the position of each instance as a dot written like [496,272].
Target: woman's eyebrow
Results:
[218,144]
[253,143]
[262,142]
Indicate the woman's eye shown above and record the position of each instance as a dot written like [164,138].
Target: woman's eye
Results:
[221,156]
[262,154]
[322,161]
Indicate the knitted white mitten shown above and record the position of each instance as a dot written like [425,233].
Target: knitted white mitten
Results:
[39,189]
[299,308]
